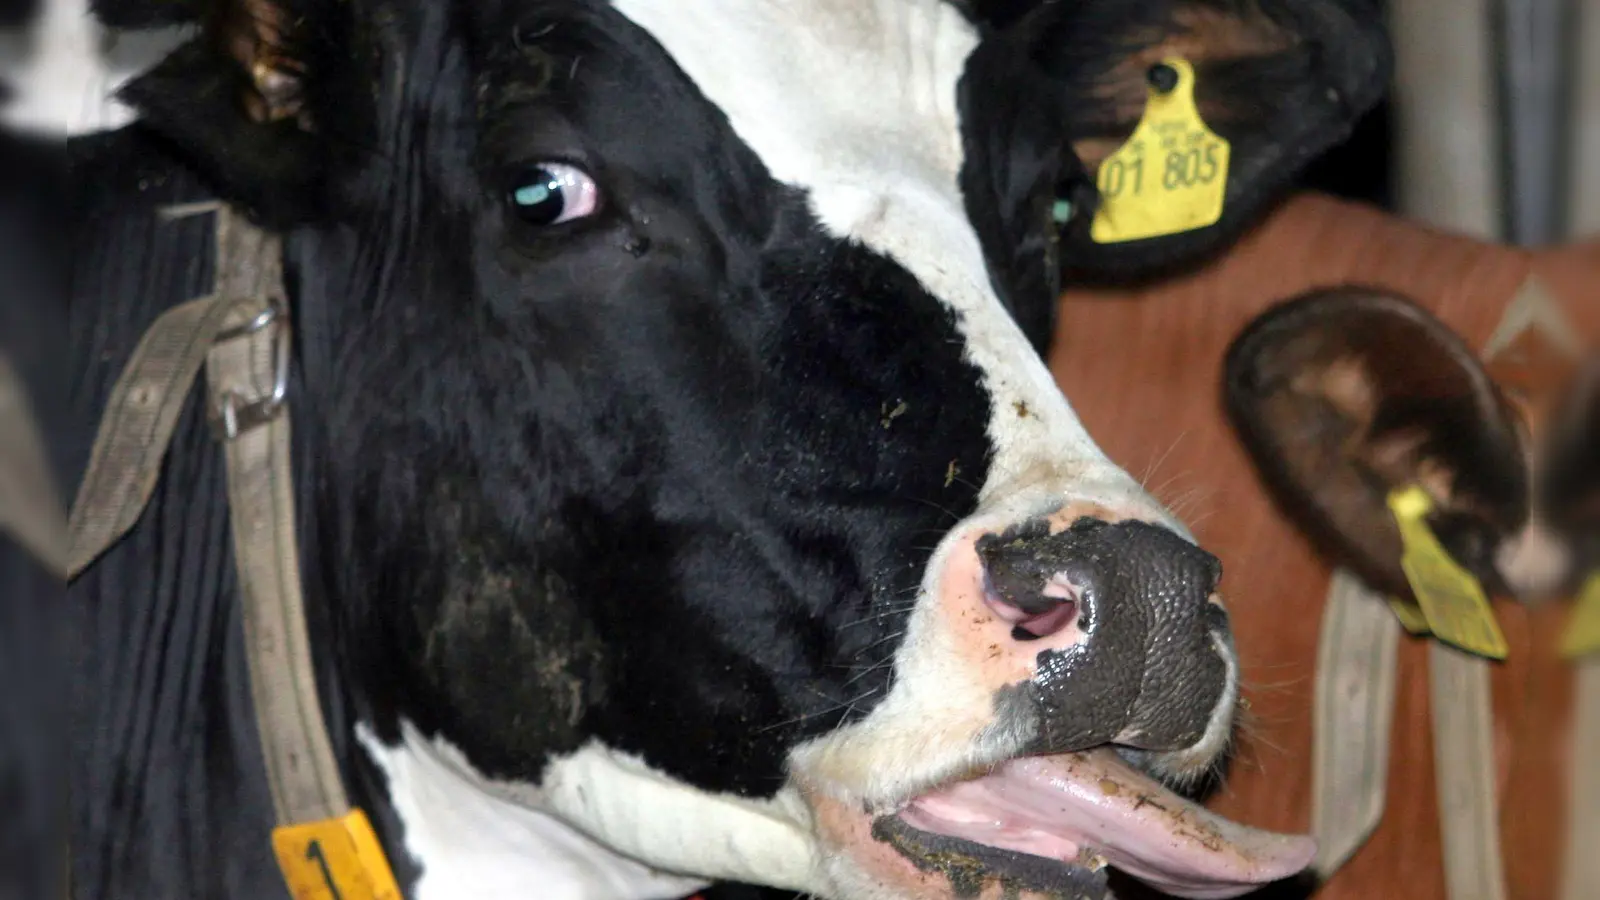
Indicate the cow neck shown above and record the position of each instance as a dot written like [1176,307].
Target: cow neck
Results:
[240,335]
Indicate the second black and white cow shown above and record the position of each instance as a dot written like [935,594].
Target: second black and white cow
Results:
[683,497]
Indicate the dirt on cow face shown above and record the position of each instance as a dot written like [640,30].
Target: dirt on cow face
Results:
[507,640]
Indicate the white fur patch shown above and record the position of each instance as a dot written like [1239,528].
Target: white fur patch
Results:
[480,839]
[66,68]
[474,844]
[648,814]
[1535,561]
[854,101]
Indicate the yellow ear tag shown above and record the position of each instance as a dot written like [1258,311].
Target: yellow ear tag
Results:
[335,859]
[1452,601]
[1172,173]
[1410,616]
[1583,629]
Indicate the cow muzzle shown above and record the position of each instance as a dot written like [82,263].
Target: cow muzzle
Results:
[1105,656]
[1135,645]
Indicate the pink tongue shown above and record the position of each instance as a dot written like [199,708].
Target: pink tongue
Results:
[1075,805]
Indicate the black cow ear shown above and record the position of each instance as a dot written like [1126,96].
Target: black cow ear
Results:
[997,14]
[1281,80]
[1570,487]
[1342,396]
[248,100]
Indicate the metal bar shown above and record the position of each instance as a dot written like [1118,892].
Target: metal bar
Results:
[1448,161]
[1583,163]
[1535,39]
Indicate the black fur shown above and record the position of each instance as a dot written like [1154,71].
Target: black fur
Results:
[557,454]
[1018,163]
[18,13]
[34,633]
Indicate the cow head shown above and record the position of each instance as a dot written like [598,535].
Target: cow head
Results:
[684,470]
[1344,395]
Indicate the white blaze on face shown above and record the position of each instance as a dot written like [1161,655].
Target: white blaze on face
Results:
[854,102]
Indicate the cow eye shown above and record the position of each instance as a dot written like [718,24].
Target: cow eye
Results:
[1074,197]
[550,193]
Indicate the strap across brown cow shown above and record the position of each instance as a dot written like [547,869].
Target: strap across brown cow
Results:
[1353,711]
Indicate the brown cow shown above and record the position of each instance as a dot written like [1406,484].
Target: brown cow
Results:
[1159,412]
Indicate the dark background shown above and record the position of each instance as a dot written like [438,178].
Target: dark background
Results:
[1360,167]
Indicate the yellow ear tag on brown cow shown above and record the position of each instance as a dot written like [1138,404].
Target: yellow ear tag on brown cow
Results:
[1583,629]
[1452,601]
[1410,616]
[1171,174]
[334,859]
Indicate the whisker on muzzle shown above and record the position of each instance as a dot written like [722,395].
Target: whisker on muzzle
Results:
[1155,466]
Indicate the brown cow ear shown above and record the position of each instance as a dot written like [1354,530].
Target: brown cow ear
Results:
[1281,80]
[245,101]
[1342,396]
[1570,487]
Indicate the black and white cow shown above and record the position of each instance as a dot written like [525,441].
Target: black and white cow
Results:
[683,497]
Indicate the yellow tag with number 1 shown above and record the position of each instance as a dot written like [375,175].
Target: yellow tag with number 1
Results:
[1583,629]
[1171,174]
[335,859]
[1452,601]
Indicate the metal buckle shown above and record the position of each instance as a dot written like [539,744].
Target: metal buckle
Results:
[234,414]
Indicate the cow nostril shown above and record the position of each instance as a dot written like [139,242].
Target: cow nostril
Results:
[1046,623]
[1033,592]
[1029,582]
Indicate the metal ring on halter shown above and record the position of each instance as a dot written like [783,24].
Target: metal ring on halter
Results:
[233,416]
[267,316]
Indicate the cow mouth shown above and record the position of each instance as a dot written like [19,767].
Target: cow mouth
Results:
[1051,824]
